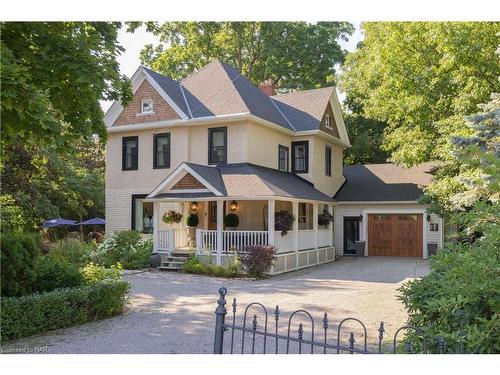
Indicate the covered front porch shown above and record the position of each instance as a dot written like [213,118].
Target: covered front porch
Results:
[306,242]
[257,196]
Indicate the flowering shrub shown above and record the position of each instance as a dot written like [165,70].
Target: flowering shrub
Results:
[258,259]
[282,221]
[127,247]
[172,217]
[94,273]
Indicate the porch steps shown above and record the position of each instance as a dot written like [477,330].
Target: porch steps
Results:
[173,262]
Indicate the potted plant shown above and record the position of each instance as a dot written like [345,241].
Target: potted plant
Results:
[192,222]
[231,221]
[282,221]
[325,218]
[172,217]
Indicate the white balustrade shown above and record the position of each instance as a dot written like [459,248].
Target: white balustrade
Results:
[207,239]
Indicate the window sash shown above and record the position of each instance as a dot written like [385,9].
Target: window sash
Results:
[328,160]
[130,153]
[161,151]
[300,159]
[283,158]
[217,146]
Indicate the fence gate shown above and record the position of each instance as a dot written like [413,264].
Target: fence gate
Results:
[262,334]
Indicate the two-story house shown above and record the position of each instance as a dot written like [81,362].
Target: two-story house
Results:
[215,144]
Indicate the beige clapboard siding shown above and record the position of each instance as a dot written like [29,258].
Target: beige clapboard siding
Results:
[340,211]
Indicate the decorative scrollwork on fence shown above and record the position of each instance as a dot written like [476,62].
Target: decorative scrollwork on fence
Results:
[296,336]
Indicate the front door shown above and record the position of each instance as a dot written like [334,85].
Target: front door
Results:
[212,214]
[351,234]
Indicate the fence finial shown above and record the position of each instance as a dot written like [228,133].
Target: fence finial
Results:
[220,314]
[325,321]
[381,331]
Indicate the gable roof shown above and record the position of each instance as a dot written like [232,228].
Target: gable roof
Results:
[304,109]
[248,180]
[384,182]
[218,89]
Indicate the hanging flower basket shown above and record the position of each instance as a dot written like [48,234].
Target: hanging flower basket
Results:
[282,221]
[325,218]
[172,217]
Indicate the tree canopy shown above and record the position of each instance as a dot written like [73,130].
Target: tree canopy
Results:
[294,55]
[53,76]
[422,78]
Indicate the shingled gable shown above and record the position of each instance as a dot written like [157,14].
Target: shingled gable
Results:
[143,84]
[186,178]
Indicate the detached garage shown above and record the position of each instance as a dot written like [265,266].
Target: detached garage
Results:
[378,205]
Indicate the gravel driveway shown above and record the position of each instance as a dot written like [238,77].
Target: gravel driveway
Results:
[174,312]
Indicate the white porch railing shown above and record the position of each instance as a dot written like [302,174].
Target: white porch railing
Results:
[207,239]
[306,239]
[324,237]
[171,238]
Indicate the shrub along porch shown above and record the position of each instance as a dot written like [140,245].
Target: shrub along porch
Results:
[263,200]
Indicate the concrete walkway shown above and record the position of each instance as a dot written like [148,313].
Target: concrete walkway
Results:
[174,312]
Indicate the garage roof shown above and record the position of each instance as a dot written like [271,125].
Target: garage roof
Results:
[384,182]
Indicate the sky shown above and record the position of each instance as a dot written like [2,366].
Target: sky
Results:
[134,42]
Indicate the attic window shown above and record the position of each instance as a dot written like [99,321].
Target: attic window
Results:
[328,122]
[147,106]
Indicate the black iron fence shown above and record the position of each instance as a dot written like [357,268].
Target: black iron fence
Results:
[262,335]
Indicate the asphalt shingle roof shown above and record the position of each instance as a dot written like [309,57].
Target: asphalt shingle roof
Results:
[219,89]
[383,182]
[250,180]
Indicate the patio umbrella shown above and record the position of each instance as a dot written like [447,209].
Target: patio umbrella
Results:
[57,222]
[95,221]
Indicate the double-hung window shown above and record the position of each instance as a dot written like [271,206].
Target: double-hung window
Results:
[217,145]
[328,160]
[130,153]
[161,156]
[283,158]
[300,157]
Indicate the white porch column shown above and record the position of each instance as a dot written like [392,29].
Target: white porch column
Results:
[270,221]
[156,225]
[295,226]
[330,210]
[315,224]
[315,228]
[220,223]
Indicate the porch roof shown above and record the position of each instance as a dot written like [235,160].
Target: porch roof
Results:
[246,180]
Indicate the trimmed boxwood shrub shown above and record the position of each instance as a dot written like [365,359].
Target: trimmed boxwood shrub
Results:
[192,220]
[231,220]
[37,313]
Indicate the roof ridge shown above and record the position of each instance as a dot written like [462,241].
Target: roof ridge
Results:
[282,114]
[303,91]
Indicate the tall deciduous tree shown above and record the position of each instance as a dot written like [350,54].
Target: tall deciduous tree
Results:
[295,55]
[422,78]
[53,76]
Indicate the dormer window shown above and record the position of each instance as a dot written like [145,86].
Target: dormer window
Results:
[147,106]
[328,122]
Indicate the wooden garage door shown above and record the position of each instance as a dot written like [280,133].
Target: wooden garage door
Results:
[395,235]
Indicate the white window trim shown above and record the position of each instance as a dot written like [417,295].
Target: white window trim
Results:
[142,107]
[328,122]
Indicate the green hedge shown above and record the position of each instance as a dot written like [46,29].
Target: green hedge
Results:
[36,313]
